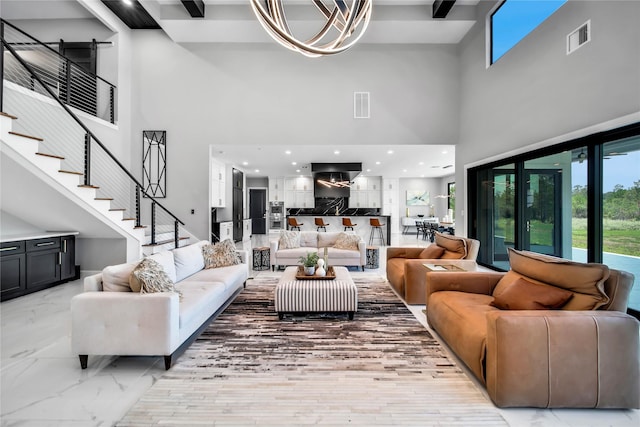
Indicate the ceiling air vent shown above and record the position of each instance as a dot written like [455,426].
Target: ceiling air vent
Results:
[579,37]
[361,106]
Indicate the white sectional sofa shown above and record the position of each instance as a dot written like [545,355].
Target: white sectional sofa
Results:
[317,241]
[153,324]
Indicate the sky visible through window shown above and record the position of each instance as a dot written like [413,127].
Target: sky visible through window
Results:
[515,19]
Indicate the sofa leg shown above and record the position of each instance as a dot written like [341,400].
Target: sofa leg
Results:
[167,362]
[363,268]
[83,360]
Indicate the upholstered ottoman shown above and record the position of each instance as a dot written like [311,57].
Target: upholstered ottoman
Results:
[312,296]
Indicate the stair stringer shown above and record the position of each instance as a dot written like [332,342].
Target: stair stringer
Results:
[47,169]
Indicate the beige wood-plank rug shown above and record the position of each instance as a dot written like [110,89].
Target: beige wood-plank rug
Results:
[249,368]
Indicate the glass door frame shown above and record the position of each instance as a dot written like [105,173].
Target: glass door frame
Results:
[480,225]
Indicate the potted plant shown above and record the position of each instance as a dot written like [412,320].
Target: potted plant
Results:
[309,262]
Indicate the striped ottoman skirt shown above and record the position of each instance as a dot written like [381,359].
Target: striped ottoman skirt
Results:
[309,296]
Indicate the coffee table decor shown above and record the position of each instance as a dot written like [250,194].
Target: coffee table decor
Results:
[301,275]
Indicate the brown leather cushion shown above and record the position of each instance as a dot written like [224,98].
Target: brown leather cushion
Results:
[454,247]
[432,252]
[585,281]
[525,295]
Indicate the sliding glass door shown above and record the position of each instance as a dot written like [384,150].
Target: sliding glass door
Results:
[542,211]
[578,200]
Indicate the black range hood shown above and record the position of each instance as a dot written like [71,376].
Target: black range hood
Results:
[349,170]
[333,173]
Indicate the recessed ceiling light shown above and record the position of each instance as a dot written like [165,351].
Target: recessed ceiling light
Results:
[377,163]
[445,152]
[257,170]
[368,170]
[421,176]
[287,152]
[294,163]
[390,152]
[298,171]
[421,163]
[404,170]
[336,152]
[245,163]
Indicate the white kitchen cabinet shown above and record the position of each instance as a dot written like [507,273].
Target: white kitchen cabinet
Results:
[276,189]
[218,184]
[226,230]
[246,230]
[359,184]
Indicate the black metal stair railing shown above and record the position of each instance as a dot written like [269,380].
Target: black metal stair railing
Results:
[74,85]
[69,126]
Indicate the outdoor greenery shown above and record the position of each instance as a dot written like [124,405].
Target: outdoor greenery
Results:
[621,203]
[621,218]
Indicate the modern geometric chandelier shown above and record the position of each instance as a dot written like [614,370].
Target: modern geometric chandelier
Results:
[343,27]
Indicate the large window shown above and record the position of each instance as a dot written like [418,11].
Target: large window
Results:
[579,200]
[514,19]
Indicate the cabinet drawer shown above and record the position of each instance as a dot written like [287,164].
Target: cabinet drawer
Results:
[11,248]
[43,244]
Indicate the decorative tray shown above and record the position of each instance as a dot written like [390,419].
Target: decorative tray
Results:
[331,274]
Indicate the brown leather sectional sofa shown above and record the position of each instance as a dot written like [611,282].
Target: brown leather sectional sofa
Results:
[405,269]
[582,354]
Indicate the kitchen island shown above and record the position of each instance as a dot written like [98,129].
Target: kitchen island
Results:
[363,228]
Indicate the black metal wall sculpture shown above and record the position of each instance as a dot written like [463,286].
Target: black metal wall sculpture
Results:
[154,162]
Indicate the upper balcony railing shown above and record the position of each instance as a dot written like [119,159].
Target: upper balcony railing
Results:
[70,82]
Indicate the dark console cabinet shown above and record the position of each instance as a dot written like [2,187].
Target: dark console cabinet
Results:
[67,257]
[32,265]
[12,268]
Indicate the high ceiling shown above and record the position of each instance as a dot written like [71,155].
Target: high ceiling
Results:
[232,21]
[396,161]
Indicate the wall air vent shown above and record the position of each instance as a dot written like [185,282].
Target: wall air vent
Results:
[361,105]
[579,37]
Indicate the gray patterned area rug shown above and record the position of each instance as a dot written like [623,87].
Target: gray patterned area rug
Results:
[249,368]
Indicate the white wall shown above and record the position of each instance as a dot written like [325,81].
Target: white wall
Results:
[11,225]
[264,94]
[432,185]
[536,92]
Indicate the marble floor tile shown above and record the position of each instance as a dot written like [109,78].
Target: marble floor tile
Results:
[42,385]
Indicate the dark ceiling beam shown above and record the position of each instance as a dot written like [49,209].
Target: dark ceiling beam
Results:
[194,7]
[441,8]
[134,16]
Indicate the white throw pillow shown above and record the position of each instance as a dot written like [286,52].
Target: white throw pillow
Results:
[165,259]
[347,241]
[222,254]
[152,277]
[115,278]
[188,260]
[289,239]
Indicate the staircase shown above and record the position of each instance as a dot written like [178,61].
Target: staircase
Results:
[56,173]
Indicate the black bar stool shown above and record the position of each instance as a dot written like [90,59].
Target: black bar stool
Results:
[376,231]
[348,224]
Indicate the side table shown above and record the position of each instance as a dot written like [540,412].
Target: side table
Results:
[261,258]
[373,257]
